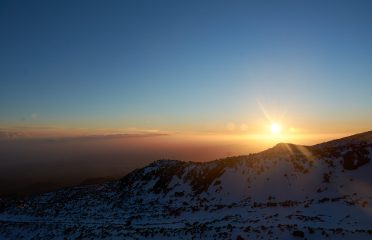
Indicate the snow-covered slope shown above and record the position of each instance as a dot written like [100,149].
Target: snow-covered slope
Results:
[288,191]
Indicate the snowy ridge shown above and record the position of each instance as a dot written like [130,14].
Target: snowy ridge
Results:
[288,191]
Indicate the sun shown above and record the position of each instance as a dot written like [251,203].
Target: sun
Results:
[276,128]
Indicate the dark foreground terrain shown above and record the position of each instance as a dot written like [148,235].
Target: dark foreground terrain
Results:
[286,192]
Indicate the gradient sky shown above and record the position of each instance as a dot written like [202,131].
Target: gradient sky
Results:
[198,66]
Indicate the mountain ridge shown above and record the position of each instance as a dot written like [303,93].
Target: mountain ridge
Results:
[287,191]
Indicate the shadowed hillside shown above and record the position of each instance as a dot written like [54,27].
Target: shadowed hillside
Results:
[288,191]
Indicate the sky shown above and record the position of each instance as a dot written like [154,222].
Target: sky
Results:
[186,66]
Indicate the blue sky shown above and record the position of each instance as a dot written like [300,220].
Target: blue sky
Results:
[194,65]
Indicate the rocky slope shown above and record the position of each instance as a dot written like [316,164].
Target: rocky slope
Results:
[288,191]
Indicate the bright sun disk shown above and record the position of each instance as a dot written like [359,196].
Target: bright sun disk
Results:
[276,128]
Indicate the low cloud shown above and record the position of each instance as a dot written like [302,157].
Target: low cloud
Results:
[104,137]
[4,135]
[19,135]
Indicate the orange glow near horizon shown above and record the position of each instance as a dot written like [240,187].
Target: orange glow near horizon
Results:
[254,136]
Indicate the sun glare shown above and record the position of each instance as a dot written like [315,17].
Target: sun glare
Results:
[276,128]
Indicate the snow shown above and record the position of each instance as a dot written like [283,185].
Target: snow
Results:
[284,191]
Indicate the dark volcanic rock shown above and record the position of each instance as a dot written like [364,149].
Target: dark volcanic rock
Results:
[355,158]
[298,233]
